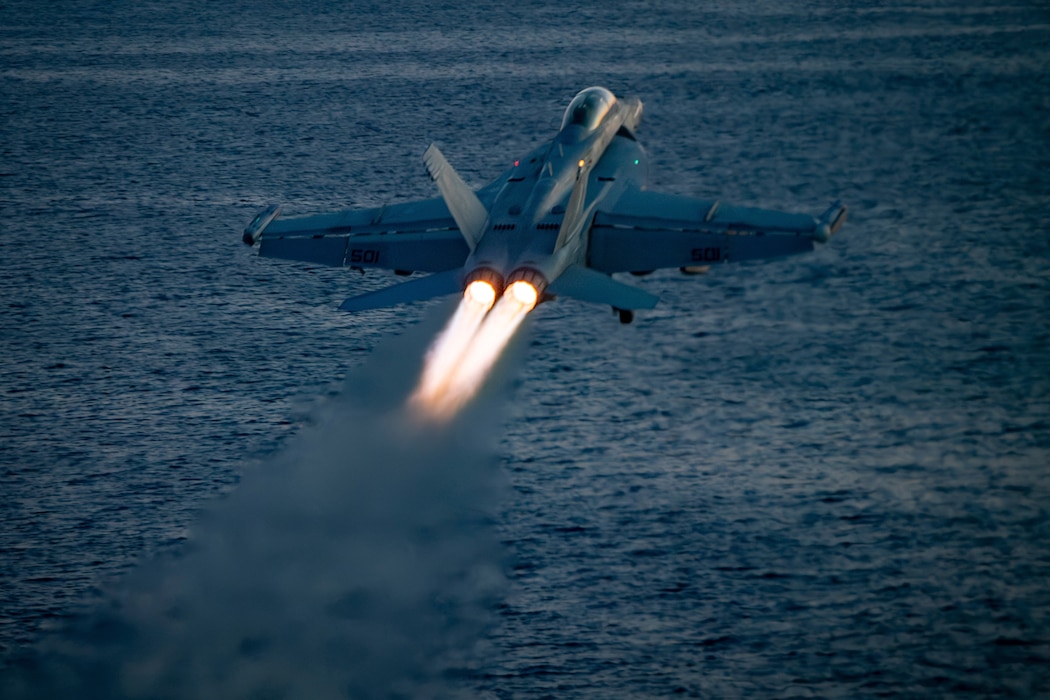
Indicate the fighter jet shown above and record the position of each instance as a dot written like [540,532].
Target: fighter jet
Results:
[559,222]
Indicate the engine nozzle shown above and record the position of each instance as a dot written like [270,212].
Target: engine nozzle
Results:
[533,277]
[526,286]
[484,285]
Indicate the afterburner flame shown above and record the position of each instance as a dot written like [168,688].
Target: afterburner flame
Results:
[465,352]
[449,347]
[524,293]
[482,292]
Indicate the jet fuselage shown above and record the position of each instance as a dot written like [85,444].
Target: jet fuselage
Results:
[538,220]
[561,222]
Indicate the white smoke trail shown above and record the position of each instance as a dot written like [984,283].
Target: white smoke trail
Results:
[359,563]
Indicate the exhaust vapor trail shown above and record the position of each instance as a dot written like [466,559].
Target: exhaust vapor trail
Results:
[360,562]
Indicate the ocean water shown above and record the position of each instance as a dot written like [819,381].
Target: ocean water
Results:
[826,476]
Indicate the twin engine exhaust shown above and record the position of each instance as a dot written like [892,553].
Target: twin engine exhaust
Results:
[524,286]
[465,352]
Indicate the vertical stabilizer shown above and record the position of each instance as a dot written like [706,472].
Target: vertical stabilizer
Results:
[468,211]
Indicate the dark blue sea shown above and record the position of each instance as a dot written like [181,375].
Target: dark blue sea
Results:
[820,477]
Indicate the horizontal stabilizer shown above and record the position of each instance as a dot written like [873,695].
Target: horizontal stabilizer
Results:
[585,284]
[429,287]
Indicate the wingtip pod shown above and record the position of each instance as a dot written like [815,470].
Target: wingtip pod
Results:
[255,229]
[830,221]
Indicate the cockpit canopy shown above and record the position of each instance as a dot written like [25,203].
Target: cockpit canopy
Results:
[588,108]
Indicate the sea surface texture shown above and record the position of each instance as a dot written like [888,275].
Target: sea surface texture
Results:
[826,476]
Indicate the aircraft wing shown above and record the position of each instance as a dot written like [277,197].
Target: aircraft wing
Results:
[420,235]
[646,231]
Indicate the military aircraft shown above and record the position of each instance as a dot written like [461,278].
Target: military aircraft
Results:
[559,222]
